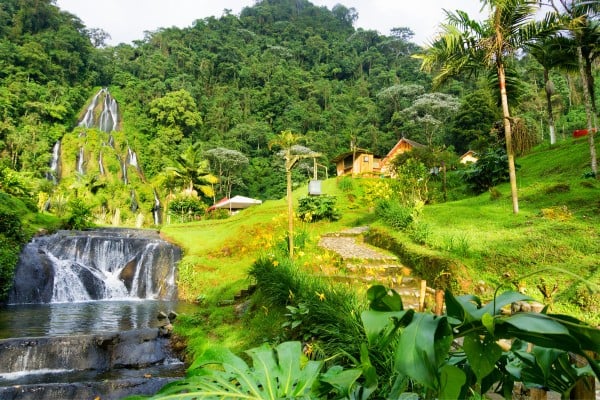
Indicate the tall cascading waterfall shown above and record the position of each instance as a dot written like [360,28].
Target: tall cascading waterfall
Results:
[54,174]
[109,117]
[102,264]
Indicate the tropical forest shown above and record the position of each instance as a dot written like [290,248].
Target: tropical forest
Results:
[466,266]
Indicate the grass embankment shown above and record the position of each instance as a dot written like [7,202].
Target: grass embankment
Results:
[556,232]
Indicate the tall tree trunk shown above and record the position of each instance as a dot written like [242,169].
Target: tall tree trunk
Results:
[588,112]
[549,91]
[508,137]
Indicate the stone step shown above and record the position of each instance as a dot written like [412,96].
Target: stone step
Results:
[378,267]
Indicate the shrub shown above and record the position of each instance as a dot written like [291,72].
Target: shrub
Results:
[80,215]
[346,184]
[187,208]
[490,170]
[317,208]
[394,214]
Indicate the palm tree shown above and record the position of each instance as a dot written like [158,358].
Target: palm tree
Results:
[465,45]
[552,52]
[192,170]
[580,19]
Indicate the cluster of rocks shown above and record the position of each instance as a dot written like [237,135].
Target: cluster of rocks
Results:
[165,323]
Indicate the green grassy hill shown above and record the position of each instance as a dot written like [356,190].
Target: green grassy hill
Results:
[552,244]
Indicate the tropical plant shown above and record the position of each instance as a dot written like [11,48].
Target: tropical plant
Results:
[79,216]
[422,344]
[192,171]
[466,45]
[317,208]
[489,171]
[274,374]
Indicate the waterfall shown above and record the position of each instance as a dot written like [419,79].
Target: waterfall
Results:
[123,164]
[109,116]
[111,141]
[109,113]
[80,161]
[102,264]
[132,158]
[101,164]
[156,212]
[54,174]
[88,119]
[134,204]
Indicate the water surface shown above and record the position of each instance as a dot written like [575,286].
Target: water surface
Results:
[60,319]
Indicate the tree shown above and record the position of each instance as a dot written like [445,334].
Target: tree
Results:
[229,166]
[176,110]
[288,141]
[553,52]
[581,22]
[428,113]
[192,171]
[466,45]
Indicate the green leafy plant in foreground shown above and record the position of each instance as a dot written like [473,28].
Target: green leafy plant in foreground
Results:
[277,373]
[424,352]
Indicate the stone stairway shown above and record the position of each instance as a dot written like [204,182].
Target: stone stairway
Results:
[367,265]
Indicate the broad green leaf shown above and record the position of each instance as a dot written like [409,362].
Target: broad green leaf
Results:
[506,298]
[342,380]
[423,346]
[587,336]
[275,373]
[461,308]
[452,380]
[482,355]
[380,325]
[383,299]
[488,321]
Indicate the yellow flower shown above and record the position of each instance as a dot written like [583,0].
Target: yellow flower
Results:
[275,263]
[321,296]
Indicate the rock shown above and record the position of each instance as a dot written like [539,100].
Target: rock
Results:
[172,315]
[162,315]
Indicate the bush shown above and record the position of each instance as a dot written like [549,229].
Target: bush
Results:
[490,170]
[187,208]
[394,214]
[80,215]
[317,208]
[346,184]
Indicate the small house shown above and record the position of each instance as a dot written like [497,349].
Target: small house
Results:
[402,146]
[469,157]
[364,163]
[358,162]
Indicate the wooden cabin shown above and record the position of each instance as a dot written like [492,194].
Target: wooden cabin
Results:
[469,157]
[402,146]
[359,162]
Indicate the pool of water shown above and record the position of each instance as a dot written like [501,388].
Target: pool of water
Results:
[60,319]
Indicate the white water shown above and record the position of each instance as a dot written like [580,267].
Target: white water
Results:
[109,116]
[101,164]
[132,157]
[88,119]
[54,162]
[80,160]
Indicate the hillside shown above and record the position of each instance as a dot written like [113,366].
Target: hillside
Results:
[556,233]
